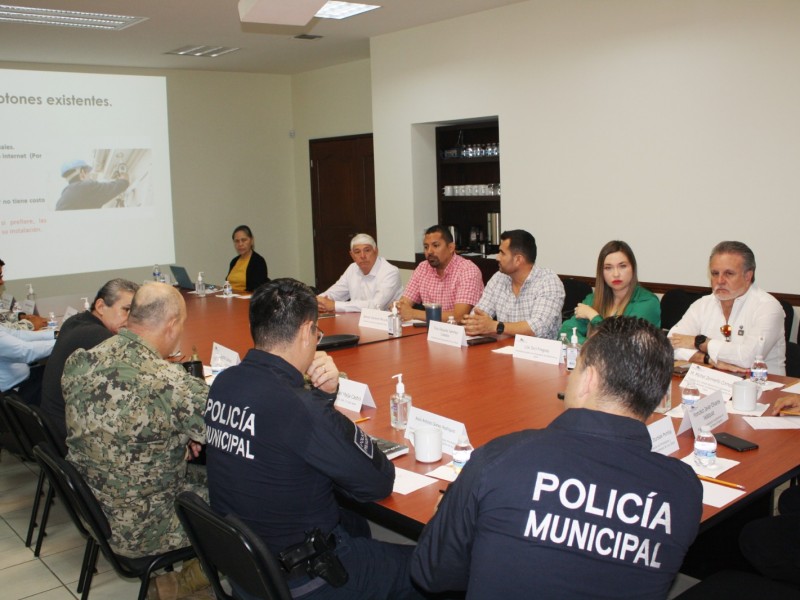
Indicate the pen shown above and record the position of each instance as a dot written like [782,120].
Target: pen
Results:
[791,413]
[361,420]
[721,482]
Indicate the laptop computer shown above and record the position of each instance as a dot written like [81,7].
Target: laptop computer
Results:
[182,277]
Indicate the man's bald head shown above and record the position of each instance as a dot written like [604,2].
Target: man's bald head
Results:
[155,304]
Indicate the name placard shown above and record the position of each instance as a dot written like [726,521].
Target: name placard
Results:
[710,380]
[353,395]
[444,333]
[68,313]
[662,436]
[372,318]
[451,430]
[537,349]
[7,300]
[709,410]
[28,307]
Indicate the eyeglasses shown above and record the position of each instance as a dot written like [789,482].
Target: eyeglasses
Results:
[319,333]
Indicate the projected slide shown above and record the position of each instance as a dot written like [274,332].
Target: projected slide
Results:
[84,172]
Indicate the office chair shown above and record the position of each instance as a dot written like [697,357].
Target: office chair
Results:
[575,291]
[226,545]
[674,304]
[88,516]
[788,311]
[34,429]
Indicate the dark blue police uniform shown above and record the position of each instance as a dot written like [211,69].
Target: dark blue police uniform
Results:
[581,509]
[275,454]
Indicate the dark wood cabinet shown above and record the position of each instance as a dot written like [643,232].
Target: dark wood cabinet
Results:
[468,175]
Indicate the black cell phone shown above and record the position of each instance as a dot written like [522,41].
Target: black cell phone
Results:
[736,443]
[420,324]
[481,340]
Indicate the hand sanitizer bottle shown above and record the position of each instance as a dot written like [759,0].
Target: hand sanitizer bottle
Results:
[395,322]
[31,294]
[573,350]
[200,285]
[399,404]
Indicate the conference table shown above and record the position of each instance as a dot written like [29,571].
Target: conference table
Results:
[492,394]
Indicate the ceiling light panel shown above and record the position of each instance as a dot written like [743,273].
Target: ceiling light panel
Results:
[66,18]
[343,10]
[203,51]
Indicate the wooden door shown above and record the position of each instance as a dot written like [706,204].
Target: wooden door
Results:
[342,200]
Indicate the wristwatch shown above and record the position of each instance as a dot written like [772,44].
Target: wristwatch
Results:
[501,327]
[699,339]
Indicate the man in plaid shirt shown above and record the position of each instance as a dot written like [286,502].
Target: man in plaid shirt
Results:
[520,298]
[444,278]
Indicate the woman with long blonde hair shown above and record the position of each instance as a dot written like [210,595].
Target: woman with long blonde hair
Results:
[616,292]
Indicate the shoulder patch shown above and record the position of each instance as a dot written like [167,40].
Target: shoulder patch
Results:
[363,442]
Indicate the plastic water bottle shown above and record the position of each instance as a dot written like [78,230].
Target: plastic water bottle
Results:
[451,320]
[156,273]
[227,290]
[462,452]
[563,358]
[200,285]
[759,371]
[705,448]
[690,395]
[51,321]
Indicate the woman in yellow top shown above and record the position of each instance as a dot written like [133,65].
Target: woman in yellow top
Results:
[617,292]
[248,270]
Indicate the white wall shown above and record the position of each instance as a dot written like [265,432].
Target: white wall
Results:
[232,163]
[672,125]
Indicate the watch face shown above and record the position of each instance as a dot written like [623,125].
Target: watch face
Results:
[501,327]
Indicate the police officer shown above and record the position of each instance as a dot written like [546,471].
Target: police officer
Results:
[581,509]
[277,450]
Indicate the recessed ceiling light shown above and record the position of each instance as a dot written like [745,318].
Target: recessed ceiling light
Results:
[66,18]
[203,51]
[342,10]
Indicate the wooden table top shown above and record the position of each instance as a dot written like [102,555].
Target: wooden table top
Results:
[493,394]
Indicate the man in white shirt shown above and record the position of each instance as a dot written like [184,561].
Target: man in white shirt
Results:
[370,282]
[736,322]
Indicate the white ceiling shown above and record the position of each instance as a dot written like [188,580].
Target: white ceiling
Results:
[172,24]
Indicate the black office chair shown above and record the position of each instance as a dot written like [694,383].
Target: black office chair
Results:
[88,516]
[9,432]
[788,310]
[575,290]
[226,545]
[792,359]
[34,429]
[674,304]
[738,585]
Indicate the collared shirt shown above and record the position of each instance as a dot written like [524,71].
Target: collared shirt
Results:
[754,314]
[539,302]
[461,284]
[18,347]
[129,415]
[377,289]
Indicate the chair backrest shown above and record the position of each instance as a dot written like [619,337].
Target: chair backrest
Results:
[11,431]
[674,304]
[792,359]
[788,311]
[226,545]
[575,291]
[76,493]
[33,423]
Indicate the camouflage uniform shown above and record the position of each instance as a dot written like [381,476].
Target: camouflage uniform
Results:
[129,416]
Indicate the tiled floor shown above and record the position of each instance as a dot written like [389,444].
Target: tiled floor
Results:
[54,575]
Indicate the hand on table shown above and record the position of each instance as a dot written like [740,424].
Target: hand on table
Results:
[325,304]
[786,403]
[479,323]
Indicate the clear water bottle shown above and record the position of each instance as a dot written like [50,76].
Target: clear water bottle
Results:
[690,395]
[563,358]
[227,290]
[200,285]
[759,371]
[52,323]
[451,320]
[462,452]
[156,273]
[705,448]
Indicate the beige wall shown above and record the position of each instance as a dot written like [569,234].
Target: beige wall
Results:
[232,162]
[326,103]
[670,125]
